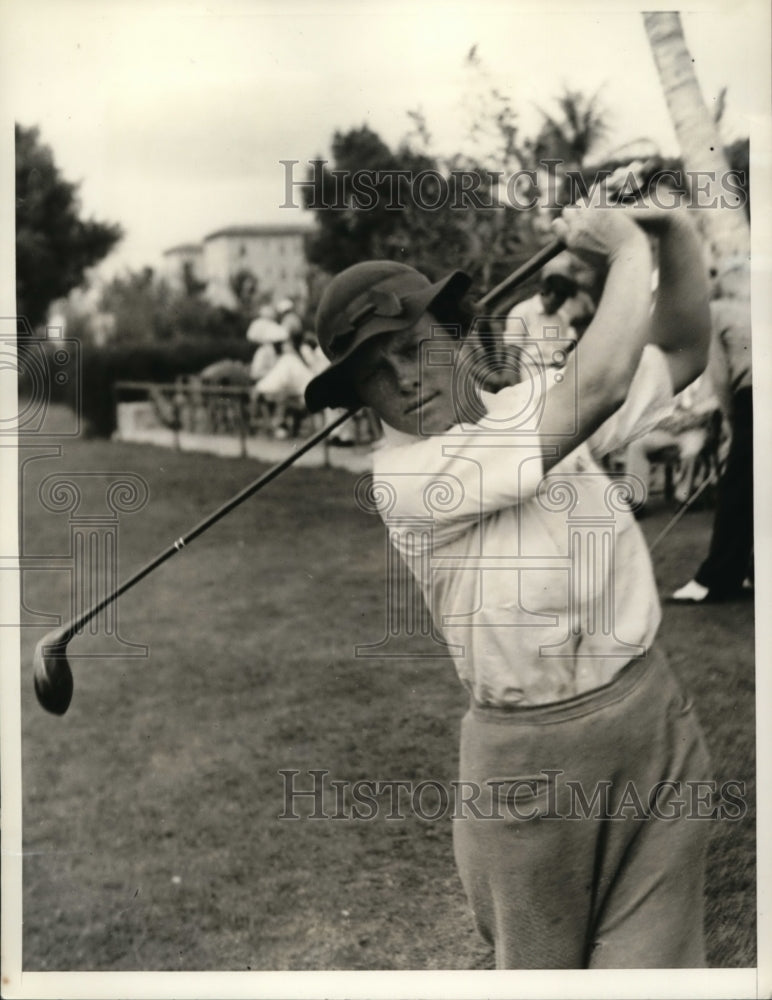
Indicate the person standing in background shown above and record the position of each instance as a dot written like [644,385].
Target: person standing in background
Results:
[727,570]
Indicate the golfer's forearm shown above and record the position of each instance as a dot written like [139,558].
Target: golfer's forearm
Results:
[681,318]
[611,348]
[598,375]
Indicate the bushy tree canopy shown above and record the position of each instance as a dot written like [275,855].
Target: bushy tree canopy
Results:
[476,227]
[54,246]
[146,309]
[392,221]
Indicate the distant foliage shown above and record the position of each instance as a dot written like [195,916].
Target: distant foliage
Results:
[147,310]
[573,132]
[398,226]
[54,246]
[485,234]
[102,367]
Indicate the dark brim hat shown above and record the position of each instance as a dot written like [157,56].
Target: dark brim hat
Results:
[368,299]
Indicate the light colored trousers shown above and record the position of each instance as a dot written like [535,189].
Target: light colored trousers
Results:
[553,882]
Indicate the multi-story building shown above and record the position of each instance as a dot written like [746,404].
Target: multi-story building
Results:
[272,255]
[187,257]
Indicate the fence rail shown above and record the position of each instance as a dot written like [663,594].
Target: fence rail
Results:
[234,411]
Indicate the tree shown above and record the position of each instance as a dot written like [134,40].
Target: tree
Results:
[387,219]
[147,310]
[701,148]
[191,284]
[503,237]
[54,246]
[489,232]
[572,133]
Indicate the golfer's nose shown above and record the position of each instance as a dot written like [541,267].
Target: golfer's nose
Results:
[407,375]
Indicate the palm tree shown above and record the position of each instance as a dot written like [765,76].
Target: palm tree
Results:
[561,147]
[572,134]
[725,228]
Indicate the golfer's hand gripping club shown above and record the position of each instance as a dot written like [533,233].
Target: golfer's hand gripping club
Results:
[624,186]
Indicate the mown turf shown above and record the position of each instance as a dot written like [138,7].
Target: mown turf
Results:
[150,810]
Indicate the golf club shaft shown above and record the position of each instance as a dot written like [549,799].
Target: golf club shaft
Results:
[708,481]
[525,271]
[517,277]
[546,254]
[69,630]
[64,634]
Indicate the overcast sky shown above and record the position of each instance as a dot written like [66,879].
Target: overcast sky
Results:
[174,115]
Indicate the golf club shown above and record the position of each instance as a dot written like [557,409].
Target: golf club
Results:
[523,273]
[51,668]
[634,177]
[710,480]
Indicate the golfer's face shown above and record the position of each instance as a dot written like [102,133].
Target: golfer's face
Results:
[408,396]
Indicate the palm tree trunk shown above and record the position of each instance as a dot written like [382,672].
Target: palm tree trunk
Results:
[726,228]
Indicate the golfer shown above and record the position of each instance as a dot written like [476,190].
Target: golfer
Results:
[578,844]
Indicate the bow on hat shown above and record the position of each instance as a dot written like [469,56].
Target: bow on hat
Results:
[374,302]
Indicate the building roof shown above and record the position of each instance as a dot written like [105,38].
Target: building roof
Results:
[184,248]
[240,231]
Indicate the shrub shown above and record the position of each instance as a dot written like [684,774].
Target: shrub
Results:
[102,367]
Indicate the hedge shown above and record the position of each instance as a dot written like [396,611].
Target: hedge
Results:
[102,367]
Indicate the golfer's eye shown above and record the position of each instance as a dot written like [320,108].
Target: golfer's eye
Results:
[371,376]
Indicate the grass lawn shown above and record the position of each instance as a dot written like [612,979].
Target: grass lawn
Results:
[150,809]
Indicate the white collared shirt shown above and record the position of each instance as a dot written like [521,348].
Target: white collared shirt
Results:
[542,584]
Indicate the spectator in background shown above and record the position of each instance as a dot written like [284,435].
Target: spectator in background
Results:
[270,338]
[285,384]
[689,427]
[728,564]
[288,317]
[224,408]
[266,356]
[263,326]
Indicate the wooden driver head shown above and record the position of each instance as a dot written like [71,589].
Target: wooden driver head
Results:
[52,673]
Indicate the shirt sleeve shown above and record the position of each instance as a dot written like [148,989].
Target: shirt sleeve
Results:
[649,401]
[456,479]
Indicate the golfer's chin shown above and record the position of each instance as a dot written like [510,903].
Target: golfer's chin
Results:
[428,423]
[417,424]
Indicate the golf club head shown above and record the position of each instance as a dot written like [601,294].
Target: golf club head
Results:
[52,674]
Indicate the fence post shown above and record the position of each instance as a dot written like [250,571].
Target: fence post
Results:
[176,418]
[243,399]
